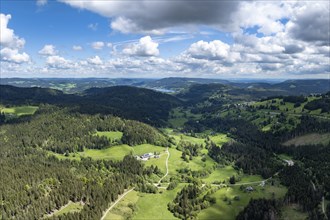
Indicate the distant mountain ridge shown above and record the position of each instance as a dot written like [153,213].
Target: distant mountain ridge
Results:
[172,84]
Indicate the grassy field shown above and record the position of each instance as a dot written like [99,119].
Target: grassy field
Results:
[123,210]
[229,210]
[293,212]
[220,174]
[20,110]
[177,122]
[182,137]
[178,117]
[112,153]
[267,118]
[71,156]
[284,157]
[307,139]
[154,206]
[66,87]
[219,139]
[176,162]
[71,207]
[112,135]
[289,108]
[118,152]
[146,206]
[147,148]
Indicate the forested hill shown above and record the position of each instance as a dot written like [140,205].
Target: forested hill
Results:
[132,102]
[304,87]
[129,102]
[216,92]
[16,95]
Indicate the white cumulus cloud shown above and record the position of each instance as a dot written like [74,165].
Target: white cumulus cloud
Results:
[11,44]
[209,50]
[58,62]
[48,50]
[7,35]
[13,55]
[145,47]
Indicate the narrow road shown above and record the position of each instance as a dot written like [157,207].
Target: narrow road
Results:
[60,209]
[313,186]
[323,208]
[115,203]
[248,183]
[166,164]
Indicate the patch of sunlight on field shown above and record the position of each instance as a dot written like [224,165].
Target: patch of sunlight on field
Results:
[20,110]
[219,139]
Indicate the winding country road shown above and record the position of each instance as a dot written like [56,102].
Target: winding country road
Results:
[166,164]
[115,203]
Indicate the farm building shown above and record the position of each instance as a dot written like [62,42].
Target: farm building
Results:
[249,189]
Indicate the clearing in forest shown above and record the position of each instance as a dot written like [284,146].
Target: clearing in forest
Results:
[309,139]
[20,110]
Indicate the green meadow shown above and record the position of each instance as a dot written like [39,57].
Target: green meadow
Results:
[112,153]
[117,152]
[71,207]
[145,205]
[227,207]
[178,117]
[307,139]
[112,135]
[20,110]
[182,137]
[220,174]
[123,209]
[220,139]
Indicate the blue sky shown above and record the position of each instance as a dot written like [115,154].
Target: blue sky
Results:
[144,38]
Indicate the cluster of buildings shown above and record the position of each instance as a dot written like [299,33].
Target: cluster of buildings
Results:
[147,156]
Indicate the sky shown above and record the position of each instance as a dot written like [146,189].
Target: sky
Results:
[172,38]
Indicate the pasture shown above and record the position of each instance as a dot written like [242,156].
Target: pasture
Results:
[20,110]
[227,207]
[124,209]
[220,174]
[145,205]
[309,139]
[219,139]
